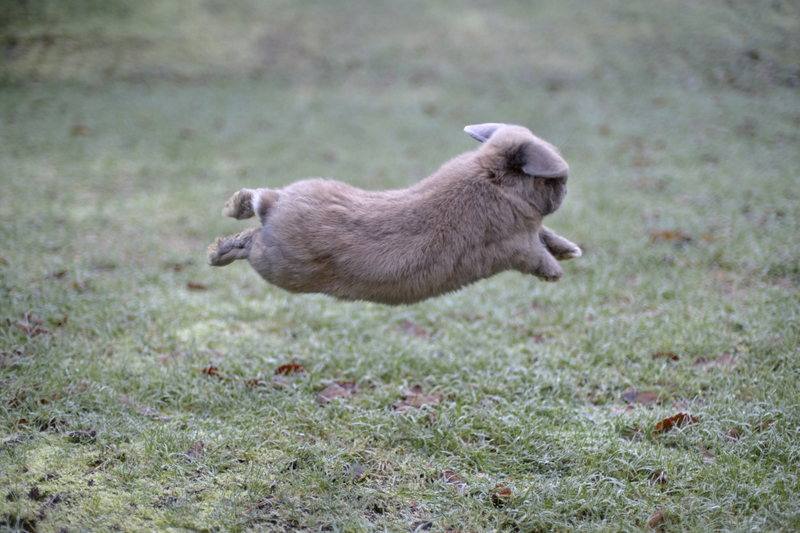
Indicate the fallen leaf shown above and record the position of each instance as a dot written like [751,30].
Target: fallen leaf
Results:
[674,237]
[656,520]
[211,370]
[414,329]
[257,381]
[31,325]
[194,286]
[734,434]
[681,419]
[355,472]
[51,502]
[723,361]
[659,477]
[83,435]
[53,424]
[80,130]
[501,494]
[415,398]
[450,477]
[340,389]
[666,355]
[761,425]
[186,133]
[260,505]
[706,455]
[197,449]
[634,395]
[290,368]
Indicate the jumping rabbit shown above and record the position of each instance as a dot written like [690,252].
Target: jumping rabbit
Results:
[479,214]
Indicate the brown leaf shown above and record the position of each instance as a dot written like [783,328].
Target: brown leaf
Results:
[186,133]
[194,286]
[211,370]
[734,434]
[723,361]
[634,395]
[414,329]
[414,397]
[761,425]
[656,520]
[83,435]
[659,477]
[706,455]
[197,449]
[666,355]
[681,419]
[671,236]
[501,494]
[336,390]
[31,325]
[260,505]
[450,477]
[51,502]
[290,368]
[80,130]
[257,381]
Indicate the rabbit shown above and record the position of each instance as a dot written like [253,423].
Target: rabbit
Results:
[479,214]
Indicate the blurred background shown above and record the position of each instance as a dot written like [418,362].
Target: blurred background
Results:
[130,101]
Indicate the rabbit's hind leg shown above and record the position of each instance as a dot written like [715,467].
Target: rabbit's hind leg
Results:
[226,250]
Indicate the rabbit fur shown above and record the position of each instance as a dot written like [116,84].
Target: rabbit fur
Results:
[479,214]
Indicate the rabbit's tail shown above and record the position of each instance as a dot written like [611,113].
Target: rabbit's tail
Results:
[226,250]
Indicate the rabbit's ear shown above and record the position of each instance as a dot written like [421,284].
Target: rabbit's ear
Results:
[541,159]
[483,132]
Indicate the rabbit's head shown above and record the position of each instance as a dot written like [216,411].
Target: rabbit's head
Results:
[516,158]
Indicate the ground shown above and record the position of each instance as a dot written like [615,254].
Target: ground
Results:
[654,386]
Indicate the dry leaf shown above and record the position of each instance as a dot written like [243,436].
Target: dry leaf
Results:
[194,286]
[31,325]
[416,398]
[761,425]
[734,434]
[450,477]
[656,520]
[414,329]
[80,130]
[666,355]
[355,472]
[290,368]
[659,477]
[83,435]
[723,361]
[337,389]
[260,505]
[634,395]
[501,494]
[706,455]
[211,370]
[681,419]
[675,237]
[197,449]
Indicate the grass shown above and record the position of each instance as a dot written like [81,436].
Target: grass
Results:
[126,126]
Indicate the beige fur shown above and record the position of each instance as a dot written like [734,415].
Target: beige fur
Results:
[478,215]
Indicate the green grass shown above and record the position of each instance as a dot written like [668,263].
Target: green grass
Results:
[126,125]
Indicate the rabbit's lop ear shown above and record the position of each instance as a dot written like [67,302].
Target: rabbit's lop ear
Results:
[482,132]
[542,160]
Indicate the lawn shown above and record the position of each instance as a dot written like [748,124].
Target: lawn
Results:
[655,387]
